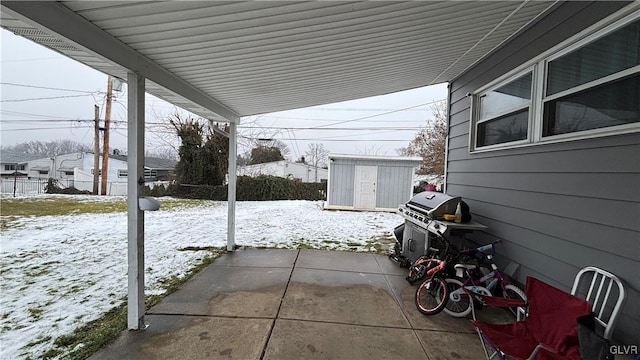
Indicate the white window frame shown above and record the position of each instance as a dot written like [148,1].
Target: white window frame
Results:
[475,106]
[539,65]
[123,173]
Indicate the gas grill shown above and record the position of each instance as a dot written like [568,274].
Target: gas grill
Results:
[427,206]
[424,219]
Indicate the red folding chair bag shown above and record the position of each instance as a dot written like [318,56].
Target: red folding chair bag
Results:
[551,323]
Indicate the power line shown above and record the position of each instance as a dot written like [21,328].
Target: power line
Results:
[45,98]
[350,140]
[334,128]
[47,88]
[42,128]
[31,114]
[376,115]
[413,128]
[35,59]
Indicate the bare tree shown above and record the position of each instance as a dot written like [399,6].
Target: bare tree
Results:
[372,150]
[275,143]
[430,142]
[317,156]
[167,153]
[49,148]
[252,134]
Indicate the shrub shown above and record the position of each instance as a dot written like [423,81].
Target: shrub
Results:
[261,188]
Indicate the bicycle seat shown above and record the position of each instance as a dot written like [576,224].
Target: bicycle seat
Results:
[465,266]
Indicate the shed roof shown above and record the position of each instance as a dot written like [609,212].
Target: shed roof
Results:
[232,59]
[375,157]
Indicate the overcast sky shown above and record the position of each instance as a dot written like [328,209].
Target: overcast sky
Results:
[47,96]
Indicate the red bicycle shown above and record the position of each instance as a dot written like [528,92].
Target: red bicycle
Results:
[432,294]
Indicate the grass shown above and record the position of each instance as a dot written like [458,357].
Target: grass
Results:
[35,313]
[57,206]
[14,209]
[91,337]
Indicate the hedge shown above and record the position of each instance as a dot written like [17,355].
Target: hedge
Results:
[261,188]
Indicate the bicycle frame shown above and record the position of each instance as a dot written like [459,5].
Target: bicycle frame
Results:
[474,284]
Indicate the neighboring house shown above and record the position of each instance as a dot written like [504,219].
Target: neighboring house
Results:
[286,169]
[544,146]
[14,164]
[364,182]
[76,169]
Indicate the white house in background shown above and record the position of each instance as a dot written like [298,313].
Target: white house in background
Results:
[285,168]
[13,164]
[76,169]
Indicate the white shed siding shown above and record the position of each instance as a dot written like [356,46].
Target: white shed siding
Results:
[393,185]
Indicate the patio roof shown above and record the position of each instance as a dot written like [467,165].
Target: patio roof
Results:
[224,60]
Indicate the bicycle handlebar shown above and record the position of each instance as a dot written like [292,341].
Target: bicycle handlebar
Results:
[484,248]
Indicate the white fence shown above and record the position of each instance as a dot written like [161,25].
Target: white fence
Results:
[36,186]
[23,186]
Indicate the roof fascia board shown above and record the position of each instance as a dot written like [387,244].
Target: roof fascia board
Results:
[54,17]
[374,157]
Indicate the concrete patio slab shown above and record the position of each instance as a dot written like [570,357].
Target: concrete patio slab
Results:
[258,258]
[441,322]
[191,337]
[343,297]
[389,267]
[336,260]
[293,339]
[451,345]
[290,304]
[228,291]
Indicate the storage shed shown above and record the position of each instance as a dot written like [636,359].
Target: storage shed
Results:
[364,182]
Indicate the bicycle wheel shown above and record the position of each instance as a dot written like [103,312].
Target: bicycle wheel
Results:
[514,292]
[458,305]
[432,295]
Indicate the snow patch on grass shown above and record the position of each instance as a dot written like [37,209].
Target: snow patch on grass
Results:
[60,272]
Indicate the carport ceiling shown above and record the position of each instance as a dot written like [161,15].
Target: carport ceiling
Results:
[232,59]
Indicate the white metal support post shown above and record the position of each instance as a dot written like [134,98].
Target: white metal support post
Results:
[135,189]
[231,199]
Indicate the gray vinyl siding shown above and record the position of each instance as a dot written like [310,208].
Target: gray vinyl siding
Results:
[393,186]
[558,207]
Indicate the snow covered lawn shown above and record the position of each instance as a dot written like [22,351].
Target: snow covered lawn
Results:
[59,272]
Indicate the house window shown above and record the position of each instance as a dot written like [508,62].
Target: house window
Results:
[13,167]
[43,172]
[122,173]
[588,87]
[592,87]
[504,112]
[70,172]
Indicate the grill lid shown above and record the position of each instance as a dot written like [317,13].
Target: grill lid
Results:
[434,204]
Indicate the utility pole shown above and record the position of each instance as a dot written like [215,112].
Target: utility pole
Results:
[96,148]
[105,139]
[15,179]
[315,161]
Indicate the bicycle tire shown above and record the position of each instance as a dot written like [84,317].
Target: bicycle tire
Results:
[431,296]
[514,292]
[459,308]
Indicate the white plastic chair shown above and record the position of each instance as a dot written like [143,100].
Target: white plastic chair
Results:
[605,303]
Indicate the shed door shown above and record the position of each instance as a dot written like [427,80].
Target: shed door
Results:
[365,187]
